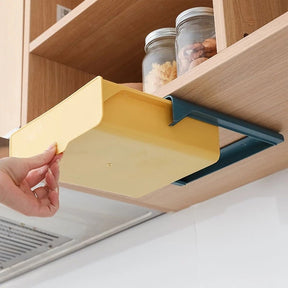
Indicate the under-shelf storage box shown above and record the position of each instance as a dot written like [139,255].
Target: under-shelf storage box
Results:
[118,139]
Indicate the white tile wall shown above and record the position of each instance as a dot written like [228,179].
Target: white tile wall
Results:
[238,239]
[242,236]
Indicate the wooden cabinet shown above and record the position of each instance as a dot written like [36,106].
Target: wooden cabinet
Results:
[247,78]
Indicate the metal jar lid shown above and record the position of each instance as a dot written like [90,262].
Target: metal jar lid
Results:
[193,12]
[159,33]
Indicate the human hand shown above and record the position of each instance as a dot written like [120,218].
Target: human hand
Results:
[18,176]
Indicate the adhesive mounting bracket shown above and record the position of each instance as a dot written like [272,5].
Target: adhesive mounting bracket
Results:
[257,138]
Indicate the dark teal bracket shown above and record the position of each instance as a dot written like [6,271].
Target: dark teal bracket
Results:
[257,138]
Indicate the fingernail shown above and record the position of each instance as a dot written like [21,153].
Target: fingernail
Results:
[52,147]
[60,156]
[51,205]
[43,169]
[50,172]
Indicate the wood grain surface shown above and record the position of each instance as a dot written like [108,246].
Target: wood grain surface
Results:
[105,39]
[247,80]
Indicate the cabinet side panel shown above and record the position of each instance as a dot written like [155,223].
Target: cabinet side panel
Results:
[4,147]
[238,18]
[44,14]
[11,31]
[220,28]
[50,83]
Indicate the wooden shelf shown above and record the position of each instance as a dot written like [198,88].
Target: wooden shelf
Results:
[111,45]
[96,38]
[247,80]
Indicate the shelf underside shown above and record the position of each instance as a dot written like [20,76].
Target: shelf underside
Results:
[249,81]
[81,38]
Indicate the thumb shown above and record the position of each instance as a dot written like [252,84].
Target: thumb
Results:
[18,168]
[41,159]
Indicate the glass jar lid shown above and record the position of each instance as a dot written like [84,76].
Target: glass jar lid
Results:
[159,33]
[193,12]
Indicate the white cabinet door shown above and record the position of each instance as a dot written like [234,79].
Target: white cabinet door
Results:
[11,43]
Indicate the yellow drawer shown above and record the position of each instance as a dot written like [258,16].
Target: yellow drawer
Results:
[118,139]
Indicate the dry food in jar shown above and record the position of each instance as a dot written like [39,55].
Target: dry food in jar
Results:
[195,38]
[192,55]
[159,75]
[159,64]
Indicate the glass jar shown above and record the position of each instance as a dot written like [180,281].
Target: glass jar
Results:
[195,38]
[159,64]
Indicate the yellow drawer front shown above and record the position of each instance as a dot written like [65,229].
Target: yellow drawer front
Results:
[118,139]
